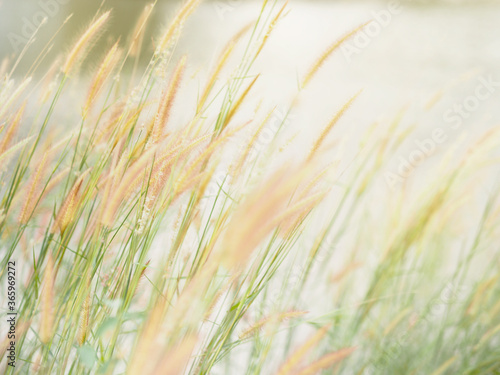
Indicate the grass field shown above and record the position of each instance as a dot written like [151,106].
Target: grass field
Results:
[143,241]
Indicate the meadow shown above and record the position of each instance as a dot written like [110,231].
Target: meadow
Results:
[161,230]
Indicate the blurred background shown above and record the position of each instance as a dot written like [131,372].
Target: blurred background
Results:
[413,54]
[426,46]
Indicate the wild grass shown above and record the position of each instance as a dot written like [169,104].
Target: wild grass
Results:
[132,258]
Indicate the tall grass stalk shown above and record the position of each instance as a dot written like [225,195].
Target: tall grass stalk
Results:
[132,257]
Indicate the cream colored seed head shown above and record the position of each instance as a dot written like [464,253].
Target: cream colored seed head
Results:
[47,298]
[83,43]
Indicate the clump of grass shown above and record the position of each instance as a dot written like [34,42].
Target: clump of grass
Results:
[130,261]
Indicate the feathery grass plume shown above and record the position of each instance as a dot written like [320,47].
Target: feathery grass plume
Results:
[136,175]
[170,36]
[127,121]
[270,320]
[186,146]
[303,201]
[117,113]
[255,217]
[226,52]
[291,218]
[13,97]
[237,104]
[48,154]
[192,171]
[91,227]
[81,46]
[127,184]
[121,159]
[21,328]
[141,361]
[162,172]
[326,361]
[30,199]
[215,74]
[109,181]
[54,181]
[175,360]
[11,130]
[306,190]
[7,154]
[70,206]
[47,302]
[142,276]
[83,325]
[192,304]
[218,259]
[159,177]
[61,143]
[105,69]
[296,358]
[199,180]
[139,31]
[222,291]
[48,47]
[167,100]
[321,60]
[319,141]
[37,364]
[270,28]
[216,144]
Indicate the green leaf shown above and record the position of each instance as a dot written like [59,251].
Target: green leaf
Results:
[87,356]
[106,326]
